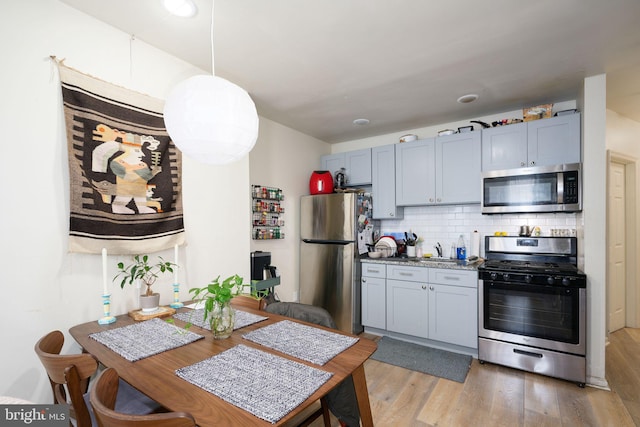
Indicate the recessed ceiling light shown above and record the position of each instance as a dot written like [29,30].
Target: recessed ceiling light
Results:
[361,122]
[465,99]
[182,8]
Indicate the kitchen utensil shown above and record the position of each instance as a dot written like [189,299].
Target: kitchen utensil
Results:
[565,112]
[385,247]
[341,178]
[375,254]
[526,231]
[483,124]
[408,137]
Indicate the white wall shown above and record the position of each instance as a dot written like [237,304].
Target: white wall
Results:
[44,287]
[595,220]
[285,162]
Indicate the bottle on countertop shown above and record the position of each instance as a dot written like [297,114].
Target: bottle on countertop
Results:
[461,249]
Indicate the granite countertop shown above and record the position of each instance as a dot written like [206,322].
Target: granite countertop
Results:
[427,262]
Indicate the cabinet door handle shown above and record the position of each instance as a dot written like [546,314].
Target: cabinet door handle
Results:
[431,200]
[370,270]
[523,163]
[451,278]
[424,287]
[533,163]
[439,200]
[390,213]
[405,274]
[364,280]
[430,288]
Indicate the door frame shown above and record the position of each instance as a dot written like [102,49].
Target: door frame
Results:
[632,287]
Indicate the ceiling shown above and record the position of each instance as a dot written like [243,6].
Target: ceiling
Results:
[315,66]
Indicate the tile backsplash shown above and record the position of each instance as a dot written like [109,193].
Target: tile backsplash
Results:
[445,224]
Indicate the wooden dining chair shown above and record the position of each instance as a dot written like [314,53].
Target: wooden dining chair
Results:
[248,301]
[103,398]
[69,376]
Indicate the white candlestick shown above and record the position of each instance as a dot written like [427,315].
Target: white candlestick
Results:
[104,272]
[175,271]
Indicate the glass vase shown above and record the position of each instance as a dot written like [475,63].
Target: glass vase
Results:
[222,319]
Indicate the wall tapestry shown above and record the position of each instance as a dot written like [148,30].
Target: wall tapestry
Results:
[124,170]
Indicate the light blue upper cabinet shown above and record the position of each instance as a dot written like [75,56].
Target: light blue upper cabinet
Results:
[544,142]
[442,170]
[415,172]
[357,165]
[554,141]
[383,183]
[504,147]
[332,163]
[458,168]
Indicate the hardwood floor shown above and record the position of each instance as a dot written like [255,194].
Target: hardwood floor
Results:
[493,395]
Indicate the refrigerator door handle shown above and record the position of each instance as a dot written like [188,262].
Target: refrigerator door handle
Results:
[325,242]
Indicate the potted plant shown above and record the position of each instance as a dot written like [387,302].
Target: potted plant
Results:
[141,269]
[217,296]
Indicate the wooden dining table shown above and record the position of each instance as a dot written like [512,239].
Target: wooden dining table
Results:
[156,375]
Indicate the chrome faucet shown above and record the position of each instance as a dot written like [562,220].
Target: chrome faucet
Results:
[438,249]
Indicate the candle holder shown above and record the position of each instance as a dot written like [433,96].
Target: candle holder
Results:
[176,297]
[106,305]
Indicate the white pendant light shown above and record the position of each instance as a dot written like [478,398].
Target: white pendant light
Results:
[211,119]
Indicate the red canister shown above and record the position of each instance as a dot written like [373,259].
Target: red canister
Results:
[321,182]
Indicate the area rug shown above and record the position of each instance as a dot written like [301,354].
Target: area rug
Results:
[432,361]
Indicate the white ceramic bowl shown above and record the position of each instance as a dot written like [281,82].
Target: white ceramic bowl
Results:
[375,254]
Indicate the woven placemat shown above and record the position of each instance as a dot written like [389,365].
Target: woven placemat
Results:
[314,345]
[263,384]
[196,318]
[144,339]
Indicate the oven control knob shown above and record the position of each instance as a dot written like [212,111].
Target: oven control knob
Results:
[505,276]
[566,281]
[551,280]
[493,276]
[528,278]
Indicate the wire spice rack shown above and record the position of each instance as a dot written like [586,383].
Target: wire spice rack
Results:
[267,209]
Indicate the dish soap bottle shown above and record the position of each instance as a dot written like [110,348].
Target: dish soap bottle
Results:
[462,249]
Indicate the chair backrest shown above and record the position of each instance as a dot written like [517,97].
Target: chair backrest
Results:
[103,399]
[68,374]
[248,302]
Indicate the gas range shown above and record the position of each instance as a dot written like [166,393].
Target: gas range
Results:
[532,306]
[532,260]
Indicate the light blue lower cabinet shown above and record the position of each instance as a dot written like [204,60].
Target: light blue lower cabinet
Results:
[432,306]
[453,315]
[407,304]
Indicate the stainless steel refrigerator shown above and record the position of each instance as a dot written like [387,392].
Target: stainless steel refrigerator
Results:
[330,227]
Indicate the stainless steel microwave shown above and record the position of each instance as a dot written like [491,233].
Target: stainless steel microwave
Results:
[536,189]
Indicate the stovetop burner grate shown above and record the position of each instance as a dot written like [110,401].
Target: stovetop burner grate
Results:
[530,267]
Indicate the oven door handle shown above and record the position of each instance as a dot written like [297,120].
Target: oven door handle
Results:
[527,353]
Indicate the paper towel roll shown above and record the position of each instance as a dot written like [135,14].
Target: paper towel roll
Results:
[474,246]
